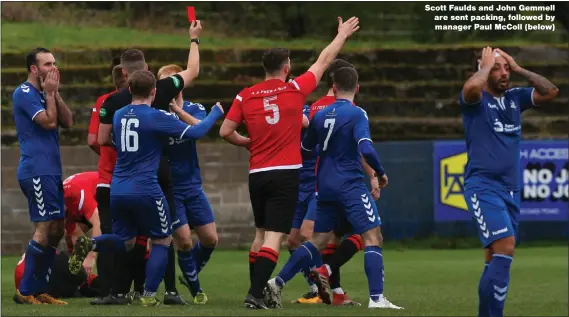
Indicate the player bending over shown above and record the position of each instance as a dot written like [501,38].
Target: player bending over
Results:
[81,213]
[137,202]
[191,206]
[341,132]
[38,111]
[338,251]
[491,113]
[272,113]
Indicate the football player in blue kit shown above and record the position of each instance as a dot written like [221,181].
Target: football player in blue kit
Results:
[137,202]
[491,113]
[38,112]
[342,134]
[192,208]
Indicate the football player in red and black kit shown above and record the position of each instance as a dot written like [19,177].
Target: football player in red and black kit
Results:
[105,261]
[166,89]
[273,114]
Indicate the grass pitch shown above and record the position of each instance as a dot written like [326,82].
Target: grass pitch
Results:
[425,282]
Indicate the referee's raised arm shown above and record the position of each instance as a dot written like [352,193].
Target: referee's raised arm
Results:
[193,68]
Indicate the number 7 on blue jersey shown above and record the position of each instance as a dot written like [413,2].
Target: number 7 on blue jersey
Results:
[328,124]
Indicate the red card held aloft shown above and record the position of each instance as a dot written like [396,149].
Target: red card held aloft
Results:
[191,14]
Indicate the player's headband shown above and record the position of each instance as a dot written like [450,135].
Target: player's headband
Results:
[495,55]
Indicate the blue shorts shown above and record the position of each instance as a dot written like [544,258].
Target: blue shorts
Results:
[495,213]
[193,208]
[305,201]
[141,215]
[45,197]
[357,206]
[311,212]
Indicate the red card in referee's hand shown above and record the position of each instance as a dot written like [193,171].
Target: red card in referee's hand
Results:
[191,14]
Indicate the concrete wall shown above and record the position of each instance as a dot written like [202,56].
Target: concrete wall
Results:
[224,172]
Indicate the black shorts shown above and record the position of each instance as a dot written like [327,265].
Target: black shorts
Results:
[273,198]
[103,197]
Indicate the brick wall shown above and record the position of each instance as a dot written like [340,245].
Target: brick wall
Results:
[224,173]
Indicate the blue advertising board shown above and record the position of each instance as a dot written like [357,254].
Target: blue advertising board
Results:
[544,177]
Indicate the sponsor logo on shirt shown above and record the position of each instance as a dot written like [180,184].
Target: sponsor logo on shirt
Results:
[103,112]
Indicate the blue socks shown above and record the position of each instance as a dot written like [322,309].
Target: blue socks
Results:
[483,309]
[201,255]
[155,269]
[108,243]
[44,270]
[34,256]
[189,270]
[301,258]
[305,271]
[494,286]
[373,263]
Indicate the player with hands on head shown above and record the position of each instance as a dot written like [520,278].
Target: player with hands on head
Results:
[491,113]
[38,112]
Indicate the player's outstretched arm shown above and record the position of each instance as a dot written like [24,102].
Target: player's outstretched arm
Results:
[168,124]
[345,30]
[544,91]
[472,89]
[182,114]
[193,68]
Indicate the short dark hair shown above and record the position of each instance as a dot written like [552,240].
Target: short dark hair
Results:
[334,66]
[118,79]
[274,59]
[116,61]
[346,79]
[32,57]
[141,83]
[132,60]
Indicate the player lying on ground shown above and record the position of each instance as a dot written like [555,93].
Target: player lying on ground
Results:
[137,202]
[337,251]
[491,112]
[38,112]
[341,132]
[63,284]
[167,89]
[191,206]
[272,113]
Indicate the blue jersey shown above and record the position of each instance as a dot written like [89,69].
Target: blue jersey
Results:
[307,171]
[337,130]
[139,134]
[39,148]
[493,131]
[183,155]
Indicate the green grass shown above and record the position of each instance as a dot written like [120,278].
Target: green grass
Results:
[20,37]
[425,282]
